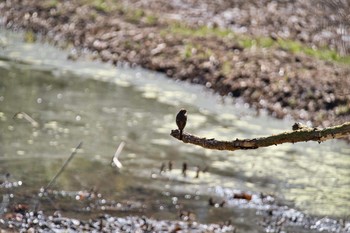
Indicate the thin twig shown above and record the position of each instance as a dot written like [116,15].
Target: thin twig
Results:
[28,118]
[115,159]
[63,166]
[36,201]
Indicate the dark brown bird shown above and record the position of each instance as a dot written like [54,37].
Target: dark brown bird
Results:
[181,119]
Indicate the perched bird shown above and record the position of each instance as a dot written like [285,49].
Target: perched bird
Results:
[298,126]
[181,119]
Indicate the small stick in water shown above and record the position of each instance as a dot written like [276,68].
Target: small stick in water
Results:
[162,168]
[115,160]
[205,169]
[222,203]
[211,202]
[197,172]
[63,166]
[170,165]
[184,169]
[43,190]
[24,115]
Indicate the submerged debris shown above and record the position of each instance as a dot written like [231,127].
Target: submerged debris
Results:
[115,159]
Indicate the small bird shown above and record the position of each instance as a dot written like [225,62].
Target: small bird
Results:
[181,119]
[298,126]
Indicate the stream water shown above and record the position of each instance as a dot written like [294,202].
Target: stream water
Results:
[102,105]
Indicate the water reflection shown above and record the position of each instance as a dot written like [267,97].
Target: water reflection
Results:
[102,106]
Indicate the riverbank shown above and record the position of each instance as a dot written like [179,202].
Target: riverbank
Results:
[244,207]
[38,222]
[281,75]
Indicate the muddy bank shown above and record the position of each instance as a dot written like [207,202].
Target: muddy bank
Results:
[266,72]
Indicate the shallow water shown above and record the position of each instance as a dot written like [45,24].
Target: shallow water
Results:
[102,105]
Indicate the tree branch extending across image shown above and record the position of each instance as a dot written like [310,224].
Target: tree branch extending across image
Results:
[299,134]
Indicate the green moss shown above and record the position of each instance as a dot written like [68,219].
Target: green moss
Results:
[226,68]
[134,16]
[246,42]
[320,53]
[266,42]
[151,20]
[128,45]
[29,37]
[93,15]
[262,42]
[51,3]
[131,15]
[100,5]
[292,102]
[200,53]
[106,6]
[289,45]
[342,110]
[205,54]
[202,31]
[119,8]
[187,52]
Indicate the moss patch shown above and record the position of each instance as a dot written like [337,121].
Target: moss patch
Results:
[260,42]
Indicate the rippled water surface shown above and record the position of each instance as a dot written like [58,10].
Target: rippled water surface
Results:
[102,105]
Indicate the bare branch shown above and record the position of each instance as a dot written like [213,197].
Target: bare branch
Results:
[302,135]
